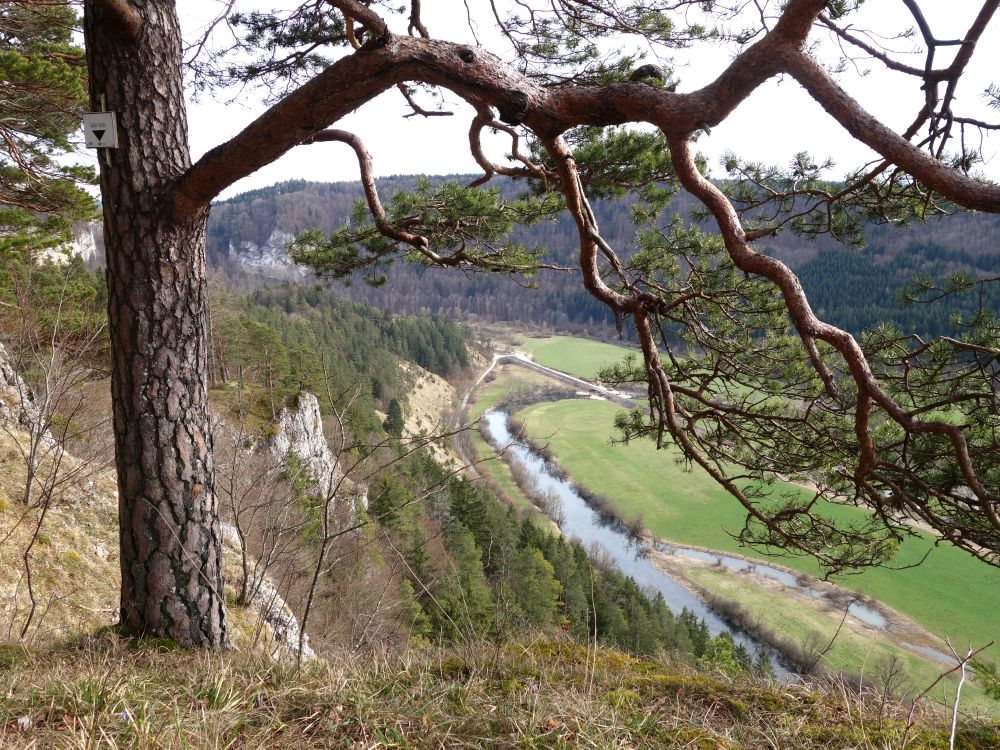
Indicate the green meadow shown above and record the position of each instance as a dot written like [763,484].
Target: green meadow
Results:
[580,357]
[951,594]
[504,381]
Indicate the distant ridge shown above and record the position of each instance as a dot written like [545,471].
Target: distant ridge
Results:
[249,232]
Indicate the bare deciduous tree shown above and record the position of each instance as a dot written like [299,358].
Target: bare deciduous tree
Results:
[46,370]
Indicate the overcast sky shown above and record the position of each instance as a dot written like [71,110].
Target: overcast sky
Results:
[777,121]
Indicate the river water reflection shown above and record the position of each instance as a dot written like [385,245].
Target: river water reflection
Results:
[578,520]
[858,610]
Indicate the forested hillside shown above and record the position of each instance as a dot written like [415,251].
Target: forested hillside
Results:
[248,232]
[853,289]
[471,568]
[478,572]
[287,337]
[265,345]
[861,291]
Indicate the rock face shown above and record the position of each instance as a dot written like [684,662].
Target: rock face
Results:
[14,395]
[299,430]
[93,540]
[18,410]
[285,630]
[88,243]
[270,259]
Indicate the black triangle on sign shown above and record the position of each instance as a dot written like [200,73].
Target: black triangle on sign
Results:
[100,135]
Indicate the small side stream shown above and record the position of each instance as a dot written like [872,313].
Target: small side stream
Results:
[858,610]
[578,520]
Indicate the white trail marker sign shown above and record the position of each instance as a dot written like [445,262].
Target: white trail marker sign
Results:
[100,130]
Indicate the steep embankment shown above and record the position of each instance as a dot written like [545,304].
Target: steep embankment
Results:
[429,403]
[71,683]
[59,566]
[58,527]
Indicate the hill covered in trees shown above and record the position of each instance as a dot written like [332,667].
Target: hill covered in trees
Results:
[269,343]
[286,338]
[853,289]
[432,562]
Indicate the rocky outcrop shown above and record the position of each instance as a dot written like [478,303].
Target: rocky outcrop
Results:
[88,243]
[272,611]
[284,625]
[270,259]
[18,410]
[84,524]
[16,407]
[299,430]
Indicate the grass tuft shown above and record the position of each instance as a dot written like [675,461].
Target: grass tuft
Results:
[108,691]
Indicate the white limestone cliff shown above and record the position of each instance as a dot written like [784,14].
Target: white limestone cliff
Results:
[270,259]
[299,430]
[18,410]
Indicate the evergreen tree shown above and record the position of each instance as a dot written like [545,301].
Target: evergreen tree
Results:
[575,607]
[762,667]
[42,86]
[415,620]
[720,654]
[467,598]
[535,586]
[697,631]
[388,496]
[393,423]
[42,79]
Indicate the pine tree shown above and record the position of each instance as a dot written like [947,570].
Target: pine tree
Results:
[467,598]
[393,423]
[42,86]
[697,631]
[415,620]
[535,587]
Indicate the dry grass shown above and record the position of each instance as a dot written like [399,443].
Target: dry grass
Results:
[74,559]
[430,401]
[105,691]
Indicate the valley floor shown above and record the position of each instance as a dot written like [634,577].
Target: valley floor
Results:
[576,432]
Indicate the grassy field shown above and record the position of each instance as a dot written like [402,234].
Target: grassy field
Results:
[853,652]
[951,594]
[504,381]
[580,357]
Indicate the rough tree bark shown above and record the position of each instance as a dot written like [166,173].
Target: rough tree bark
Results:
[168,511]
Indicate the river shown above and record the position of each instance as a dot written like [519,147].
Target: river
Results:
[579,521]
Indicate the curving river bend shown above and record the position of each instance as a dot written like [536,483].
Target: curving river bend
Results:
[578,520]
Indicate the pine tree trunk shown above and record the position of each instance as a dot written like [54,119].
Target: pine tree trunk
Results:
[170,532]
